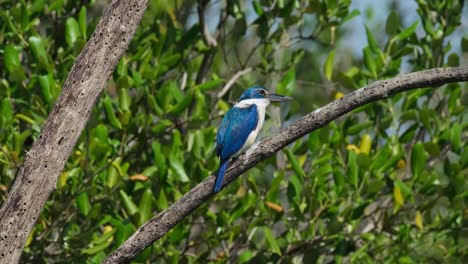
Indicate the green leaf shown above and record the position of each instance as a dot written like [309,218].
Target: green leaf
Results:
[453,60]
[339,179]
[328,66]
[146,205]
[56,5]
[178,168]
[11,58]
[162,200]
[6,112]
[125,100]
[295,164]
[37,6]
[112,176]
[159,157]
[370,62]
[45,88]
[353,169]
[82,21]
[288,83]
[258,8]
[38,49]
[352,15]
[111,117]
[82,201]
[96,249]
[418,159]
[393,23]
[245,256]
[372,42]
[72,31]
[314,141]
[355,129]
[161,125]
[397,196]
[182,105]
[464,44]
[407,32]
[271,242]
[128,203]
[456,136]
[105,237]
[209,85]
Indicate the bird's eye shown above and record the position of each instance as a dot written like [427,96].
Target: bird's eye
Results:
[262,92]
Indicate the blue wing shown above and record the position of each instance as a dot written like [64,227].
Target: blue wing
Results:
[234,130]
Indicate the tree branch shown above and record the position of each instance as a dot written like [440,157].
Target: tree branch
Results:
[231,82]
[45,161]
[159,225]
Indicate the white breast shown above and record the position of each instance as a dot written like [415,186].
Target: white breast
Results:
[261,107]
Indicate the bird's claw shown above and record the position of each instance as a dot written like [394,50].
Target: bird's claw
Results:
[249,152]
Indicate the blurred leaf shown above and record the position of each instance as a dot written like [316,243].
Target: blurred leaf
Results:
[45,88]
[159,158]
[209,85]
[418,220]
[328,66]
[365,144]
[456,136]
[370,62]
[295,164]
[11,58]
[407,32]
[178,169]
[464,44]
[112,118]
[380,158]
[38,49]
[352,15]
[273,245]
[372,42]
[353,169]
[245,256]
[145,206]
[82,201]
[112,176]
[128,203]
[288,83]
[398,196]
[418,159]
[182,105]
[72,31]
[392,24]
[82,21]
[95,249]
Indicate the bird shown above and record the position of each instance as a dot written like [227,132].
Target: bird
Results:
[241,125]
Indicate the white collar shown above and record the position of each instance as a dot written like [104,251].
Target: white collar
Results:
[259,102]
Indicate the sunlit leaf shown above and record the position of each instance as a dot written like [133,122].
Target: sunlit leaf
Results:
[328,66]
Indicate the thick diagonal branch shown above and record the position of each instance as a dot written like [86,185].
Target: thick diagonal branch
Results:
[45,161]
[159,225]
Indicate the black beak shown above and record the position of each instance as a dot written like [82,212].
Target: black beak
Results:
[278,98]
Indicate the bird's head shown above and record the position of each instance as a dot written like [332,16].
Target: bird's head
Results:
[259,92]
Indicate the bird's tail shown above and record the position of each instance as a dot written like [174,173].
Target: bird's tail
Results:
[220,176]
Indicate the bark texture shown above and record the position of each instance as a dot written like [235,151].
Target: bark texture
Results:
[159,225]
[45,161]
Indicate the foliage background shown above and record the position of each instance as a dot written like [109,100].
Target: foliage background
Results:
[385,183]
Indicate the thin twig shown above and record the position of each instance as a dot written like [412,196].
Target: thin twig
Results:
[233,80]
[209,40]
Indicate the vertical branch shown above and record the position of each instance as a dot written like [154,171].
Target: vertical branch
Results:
[45,161]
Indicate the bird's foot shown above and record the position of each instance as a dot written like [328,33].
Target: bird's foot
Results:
[250,151]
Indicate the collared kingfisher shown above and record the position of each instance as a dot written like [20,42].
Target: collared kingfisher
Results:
[241,125]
